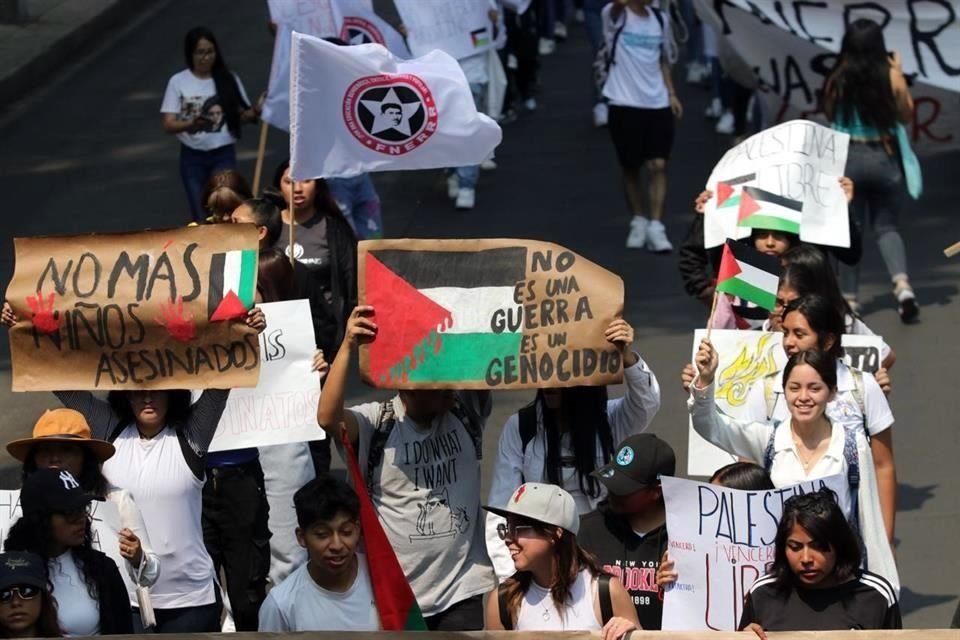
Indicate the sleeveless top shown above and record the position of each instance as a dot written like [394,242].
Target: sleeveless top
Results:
[539,613]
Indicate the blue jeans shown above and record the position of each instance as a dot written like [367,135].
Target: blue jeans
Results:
[468,176]
[360,204]
[695,34]
[196,167]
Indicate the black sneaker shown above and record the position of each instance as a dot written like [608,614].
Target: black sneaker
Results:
[907,306]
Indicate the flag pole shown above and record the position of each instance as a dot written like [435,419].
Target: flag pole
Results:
[293,223]
[713,310]
[261,151]
[952,250]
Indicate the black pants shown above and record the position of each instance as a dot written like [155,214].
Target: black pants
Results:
[522,43]
[466,615]
[237,538]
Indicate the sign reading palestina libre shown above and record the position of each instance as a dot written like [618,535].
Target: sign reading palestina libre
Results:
[487,314]
[145,310]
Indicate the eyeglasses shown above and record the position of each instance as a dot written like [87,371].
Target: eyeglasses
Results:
[204,53]
[516,531]
[25,592]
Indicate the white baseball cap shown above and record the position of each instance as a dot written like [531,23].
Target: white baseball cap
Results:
[546,503]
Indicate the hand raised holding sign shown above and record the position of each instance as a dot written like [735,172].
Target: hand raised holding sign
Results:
[7,317]
[620,333]
[256,320]
[707,362]
[361,329]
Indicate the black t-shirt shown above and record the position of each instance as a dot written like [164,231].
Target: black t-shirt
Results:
[311,248]
[627,555]
[867,602]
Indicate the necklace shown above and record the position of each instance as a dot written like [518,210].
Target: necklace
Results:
[799,444]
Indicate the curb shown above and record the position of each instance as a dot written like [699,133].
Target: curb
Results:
[78,42]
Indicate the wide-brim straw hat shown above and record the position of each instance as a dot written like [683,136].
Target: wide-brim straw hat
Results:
[61,425]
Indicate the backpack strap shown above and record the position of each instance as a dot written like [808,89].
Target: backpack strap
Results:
[505,621]
[859,396]
[528,419]
[195,462]
[472,424]
[606,601]
[612,49]
[386,420]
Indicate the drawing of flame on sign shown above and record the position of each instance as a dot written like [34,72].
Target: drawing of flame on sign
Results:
[752,363]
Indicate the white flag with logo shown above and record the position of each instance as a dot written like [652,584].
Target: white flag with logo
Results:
[358,24]
[358,109]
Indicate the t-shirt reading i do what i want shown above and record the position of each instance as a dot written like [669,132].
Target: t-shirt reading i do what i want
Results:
[188,96]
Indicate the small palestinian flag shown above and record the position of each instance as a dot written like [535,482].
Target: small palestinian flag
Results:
[728,191]
[749,274]
[233,284]
[443,300]
[761,209]
[479,37]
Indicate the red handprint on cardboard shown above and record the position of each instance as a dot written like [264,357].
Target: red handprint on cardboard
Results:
[45,319]
[178,324]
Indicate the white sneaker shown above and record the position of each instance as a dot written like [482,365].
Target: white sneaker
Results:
[578,16]
[601,114]
[725,123]
[638,232]
[488,165]
[696,73]
[453,186]
[560,31]
[466,199]
[530,104]
[512,63]
[657,238]
[715,110]
[546,46]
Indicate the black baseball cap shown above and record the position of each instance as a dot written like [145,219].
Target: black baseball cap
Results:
[47,491]
[22,568]
[637,464]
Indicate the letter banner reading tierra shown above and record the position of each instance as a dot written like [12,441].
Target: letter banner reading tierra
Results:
[721,541]
[487,314]
[154,309]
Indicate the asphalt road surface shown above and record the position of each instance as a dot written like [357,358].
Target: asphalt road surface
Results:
[86,154]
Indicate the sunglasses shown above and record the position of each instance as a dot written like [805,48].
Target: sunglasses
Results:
[25,592]
[516,531]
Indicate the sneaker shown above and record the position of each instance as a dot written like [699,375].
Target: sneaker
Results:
[546,46]
[489,165]
[508,117]
[638,232]
[466,198]
[530,104]
[601,114]
[453,186]
[578,16]
[696,72]
[512,62]
[560,31]
[907,305]
[657,238]
[715,110]
[725,123]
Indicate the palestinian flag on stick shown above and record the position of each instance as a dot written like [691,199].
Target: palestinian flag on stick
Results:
[749,274]
[428,301]
[728,191]
[761,209]
[233,284]
[396,603]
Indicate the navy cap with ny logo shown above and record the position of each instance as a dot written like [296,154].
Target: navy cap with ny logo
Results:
[49,491]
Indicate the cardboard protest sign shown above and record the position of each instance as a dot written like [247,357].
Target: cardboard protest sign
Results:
[282,407]
[793,48]
[487,314]
[155,310]
[746,358]
[721,541]
[461,28]
[787,174]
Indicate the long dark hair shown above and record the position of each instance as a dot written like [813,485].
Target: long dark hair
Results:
[226,83]
[585,410]
[275,276]
[569,560]
[823,363]
[91,478]
[860,84]
[33,532]
[823,320]
[178,406]
[323,198]
[822,518]
[266,214]
[807,270]
[745,476]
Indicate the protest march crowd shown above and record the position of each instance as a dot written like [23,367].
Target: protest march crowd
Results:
[573,534]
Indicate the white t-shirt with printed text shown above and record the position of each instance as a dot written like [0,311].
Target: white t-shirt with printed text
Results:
[635,78]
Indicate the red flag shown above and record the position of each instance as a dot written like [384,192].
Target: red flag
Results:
[395,600]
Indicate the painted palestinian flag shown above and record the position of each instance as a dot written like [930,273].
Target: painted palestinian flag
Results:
[761,209]
[728,191]
[749,274]
[233,284]
[442,302]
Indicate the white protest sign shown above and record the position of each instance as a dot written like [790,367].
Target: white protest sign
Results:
[746,357]
[357,23]
[282,407]
[721,541]
[461,28]
[306,16]
[793,46]
[799,160]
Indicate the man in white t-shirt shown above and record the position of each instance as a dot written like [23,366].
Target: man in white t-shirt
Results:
[642,109]
[420,452]
[331,591]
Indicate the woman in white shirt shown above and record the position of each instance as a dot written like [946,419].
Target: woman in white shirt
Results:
[558,585]
[806,447]
[566,434]
[204,106]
